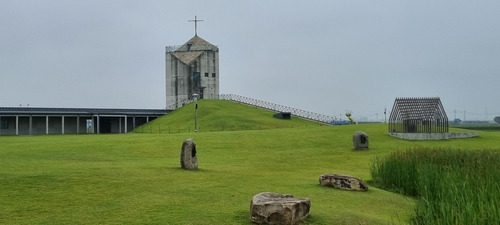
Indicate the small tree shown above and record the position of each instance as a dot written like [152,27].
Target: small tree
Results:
[497,119]
[348,114]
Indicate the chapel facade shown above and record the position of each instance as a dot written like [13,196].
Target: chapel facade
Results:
[192,72]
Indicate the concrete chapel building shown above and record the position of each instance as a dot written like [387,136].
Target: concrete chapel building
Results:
[191,71]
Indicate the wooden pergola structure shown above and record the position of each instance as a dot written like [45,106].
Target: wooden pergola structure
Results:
[418,115]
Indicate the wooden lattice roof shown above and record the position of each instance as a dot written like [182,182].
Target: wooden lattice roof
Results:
[418,115]
[418,109]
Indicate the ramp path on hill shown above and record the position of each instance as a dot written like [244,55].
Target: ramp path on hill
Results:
[278,108]
[269,106]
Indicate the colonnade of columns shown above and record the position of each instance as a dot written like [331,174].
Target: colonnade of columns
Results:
[93,123]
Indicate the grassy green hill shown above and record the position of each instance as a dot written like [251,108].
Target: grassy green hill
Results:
[220,115]
[136,178]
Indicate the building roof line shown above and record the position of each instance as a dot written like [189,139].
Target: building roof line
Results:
[79,111]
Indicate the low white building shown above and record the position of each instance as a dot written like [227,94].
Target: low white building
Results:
[34,120]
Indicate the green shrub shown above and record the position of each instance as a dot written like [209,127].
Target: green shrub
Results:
[455,186]
[396,172]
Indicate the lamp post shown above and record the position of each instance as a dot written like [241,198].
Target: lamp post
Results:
[195,96]
[385,114]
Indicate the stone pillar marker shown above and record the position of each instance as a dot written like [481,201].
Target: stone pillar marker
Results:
[360,140]
[189,160]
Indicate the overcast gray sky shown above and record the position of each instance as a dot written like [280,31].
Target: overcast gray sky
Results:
[321,56]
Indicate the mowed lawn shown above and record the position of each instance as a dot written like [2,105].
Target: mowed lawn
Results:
[136,178]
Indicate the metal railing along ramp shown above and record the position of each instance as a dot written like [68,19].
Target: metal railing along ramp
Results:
[278,108]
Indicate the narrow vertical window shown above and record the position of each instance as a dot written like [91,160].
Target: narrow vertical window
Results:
[4,124]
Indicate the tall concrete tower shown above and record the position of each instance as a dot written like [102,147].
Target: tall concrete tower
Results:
[191,69]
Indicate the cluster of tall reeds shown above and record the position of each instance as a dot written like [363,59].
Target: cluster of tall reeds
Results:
[454,186]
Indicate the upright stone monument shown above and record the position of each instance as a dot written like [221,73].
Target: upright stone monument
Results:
[360,140]
[189,160]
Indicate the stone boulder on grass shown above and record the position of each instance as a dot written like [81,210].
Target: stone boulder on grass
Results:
[360,140]
[344,182]
[275,208]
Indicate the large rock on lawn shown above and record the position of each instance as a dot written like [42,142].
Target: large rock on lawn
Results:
[360,140]
[275,208]
[345,182]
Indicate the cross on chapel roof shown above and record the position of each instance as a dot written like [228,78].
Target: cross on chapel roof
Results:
[195,25]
